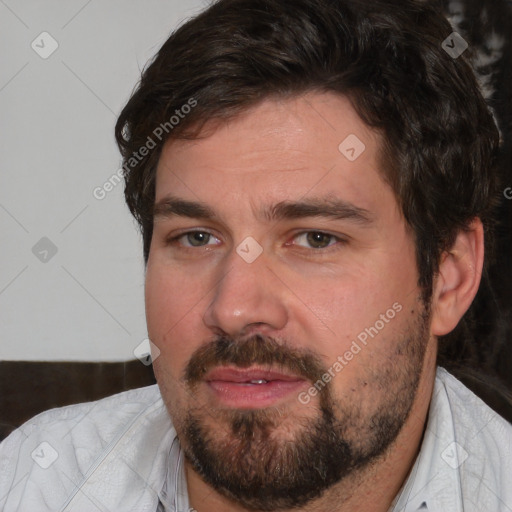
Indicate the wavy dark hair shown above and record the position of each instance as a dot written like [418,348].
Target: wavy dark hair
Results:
[439,139]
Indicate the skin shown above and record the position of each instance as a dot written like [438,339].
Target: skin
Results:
[317,299]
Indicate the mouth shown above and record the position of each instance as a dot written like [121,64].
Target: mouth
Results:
[252,388]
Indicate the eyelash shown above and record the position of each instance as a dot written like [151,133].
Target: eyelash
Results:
[338,241]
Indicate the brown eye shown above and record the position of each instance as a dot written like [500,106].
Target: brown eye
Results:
[318,240]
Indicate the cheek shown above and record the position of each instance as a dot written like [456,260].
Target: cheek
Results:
[349,304]
[173,315]
[160,302]
[169,295]
[361,317]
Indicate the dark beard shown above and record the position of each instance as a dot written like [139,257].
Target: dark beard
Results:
[261,474]
[245,463]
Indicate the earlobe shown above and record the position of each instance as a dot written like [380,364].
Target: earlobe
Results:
[458,279]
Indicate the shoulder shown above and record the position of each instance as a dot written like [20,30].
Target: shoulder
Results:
[116,408]
[482,440]
[97,421]
[471,415]
[113,403]
[53,453]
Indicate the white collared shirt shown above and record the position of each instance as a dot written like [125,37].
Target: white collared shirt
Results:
[121,454]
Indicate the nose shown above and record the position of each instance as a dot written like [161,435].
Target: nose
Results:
[249,298]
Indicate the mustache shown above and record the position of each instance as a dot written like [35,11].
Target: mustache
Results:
[255,350]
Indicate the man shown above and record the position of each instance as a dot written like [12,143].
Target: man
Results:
[313,179]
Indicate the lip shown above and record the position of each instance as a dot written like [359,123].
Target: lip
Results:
[232,387]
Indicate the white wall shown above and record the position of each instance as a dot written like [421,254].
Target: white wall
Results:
[57,116]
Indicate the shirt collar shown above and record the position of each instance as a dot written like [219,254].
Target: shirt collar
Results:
[434,483]
[173,495]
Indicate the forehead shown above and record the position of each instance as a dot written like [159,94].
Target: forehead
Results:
[278,150]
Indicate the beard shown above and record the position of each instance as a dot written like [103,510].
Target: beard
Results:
[278,459]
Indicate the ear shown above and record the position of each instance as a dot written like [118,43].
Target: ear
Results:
[457,282]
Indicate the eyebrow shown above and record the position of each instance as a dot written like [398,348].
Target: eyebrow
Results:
[328,208]
[172,206]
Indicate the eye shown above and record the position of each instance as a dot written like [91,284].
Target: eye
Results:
[316,239]
[196,239]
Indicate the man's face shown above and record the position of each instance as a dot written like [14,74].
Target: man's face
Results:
[281,291]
